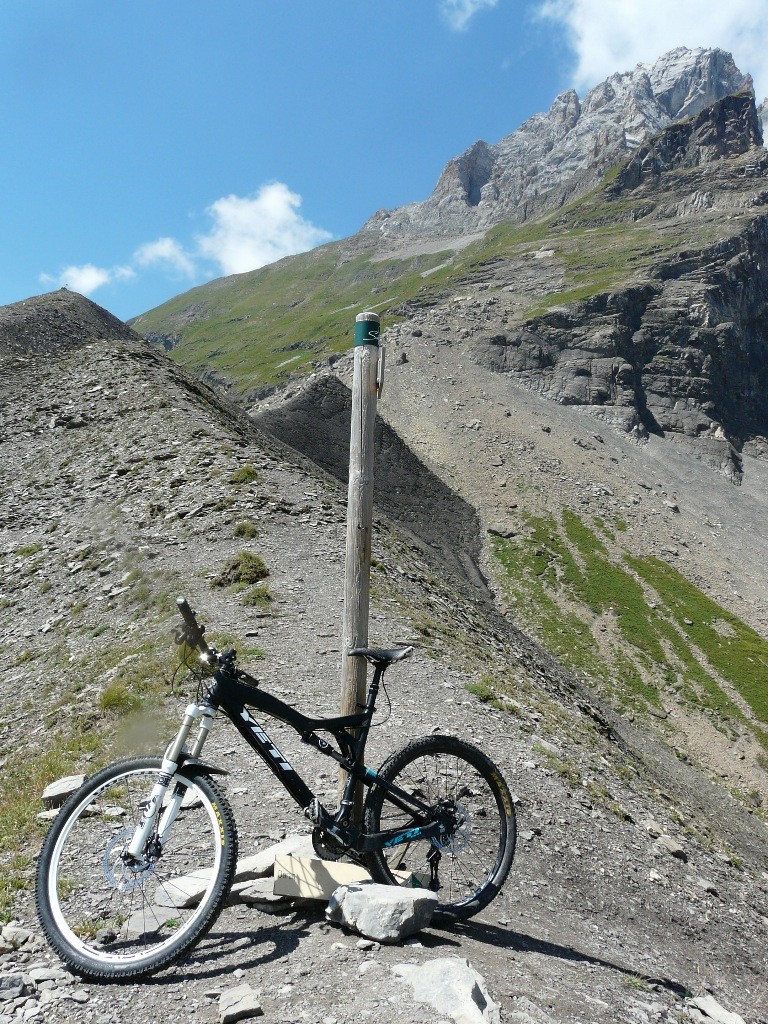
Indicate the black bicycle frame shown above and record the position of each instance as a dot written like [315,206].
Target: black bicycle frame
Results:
[231,693]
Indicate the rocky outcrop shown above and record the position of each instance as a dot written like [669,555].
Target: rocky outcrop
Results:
[56,322]
[555,156]
[728,128]
[685,353]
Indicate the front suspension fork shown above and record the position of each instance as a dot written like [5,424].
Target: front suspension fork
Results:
[204,715]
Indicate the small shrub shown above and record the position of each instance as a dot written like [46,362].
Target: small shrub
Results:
[243,568]
[247,474]
[485,692]
[29,549]
[257,597]
[247,529]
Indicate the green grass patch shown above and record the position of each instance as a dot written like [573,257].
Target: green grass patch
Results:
[24,779]
[567,582]
[257,597]
[29,549]
[733,649]
[110,727]
[118,699]
[246,529]
[245,568]
[484,690]
[605,586]
[246,474]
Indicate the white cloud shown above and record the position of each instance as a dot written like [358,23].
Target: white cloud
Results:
[458,13]
[165,252]
[247,232]
[614,35]
[251,231]
[87,277]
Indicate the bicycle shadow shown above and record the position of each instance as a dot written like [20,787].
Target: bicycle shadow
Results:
[275,940]
[254,946]
[491,935]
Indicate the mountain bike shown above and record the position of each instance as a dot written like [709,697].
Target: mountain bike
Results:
[139,861]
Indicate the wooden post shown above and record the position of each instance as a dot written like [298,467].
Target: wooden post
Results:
[357,569]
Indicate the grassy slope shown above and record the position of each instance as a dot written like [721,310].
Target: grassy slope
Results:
[636,626]
[261,327]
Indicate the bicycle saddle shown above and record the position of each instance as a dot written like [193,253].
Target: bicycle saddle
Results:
[379,657]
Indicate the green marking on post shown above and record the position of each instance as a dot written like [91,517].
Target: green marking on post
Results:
[367,329]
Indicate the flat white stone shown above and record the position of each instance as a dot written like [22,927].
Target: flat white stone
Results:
[16,935]
[114,811]
[184,891]
[238,1004]
[452,987]
[667,845]
[38,974]
[146,921]
[710,1006]
[55,793]
[259,894]
[258,865]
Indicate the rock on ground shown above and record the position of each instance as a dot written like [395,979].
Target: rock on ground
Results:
[239,1004]
[452,987]
[57,792]
[712,1009]
[383,912]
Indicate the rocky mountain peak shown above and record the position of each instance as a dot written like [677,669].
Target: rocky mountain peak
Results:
[54,322]
[685,81]
[555,156]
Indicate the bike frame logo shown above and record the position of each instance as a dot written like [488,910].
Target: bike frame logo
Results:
[259,733]
[412,833]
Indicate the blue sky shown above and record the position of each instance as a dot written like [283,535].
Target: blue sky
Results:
[149,145]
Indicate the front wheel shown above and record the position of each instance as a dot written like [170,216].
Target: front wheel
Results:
[468,867]
[112,918]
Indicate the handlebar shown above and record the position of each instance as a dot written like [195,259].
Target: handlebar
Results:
[193,634]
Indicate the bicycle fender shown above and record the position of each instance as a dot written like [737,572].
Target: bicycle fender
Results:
[187,765]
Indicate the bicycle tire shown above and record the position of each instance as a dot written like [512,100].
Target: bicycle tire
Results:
[109,922]
[479,853]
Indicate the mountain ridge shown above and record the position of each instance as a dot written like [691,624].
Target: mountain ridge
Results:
[555,157]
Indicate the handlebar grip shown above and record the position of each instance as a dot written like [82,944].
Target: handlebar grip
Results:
[195,629]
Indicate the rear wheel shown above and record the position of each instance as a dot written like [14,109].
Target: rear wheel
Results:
[113,919]
[468,867]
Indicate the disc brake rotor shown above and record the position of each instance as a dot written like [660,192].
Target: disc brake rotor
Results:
[458,839]
[120,875]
